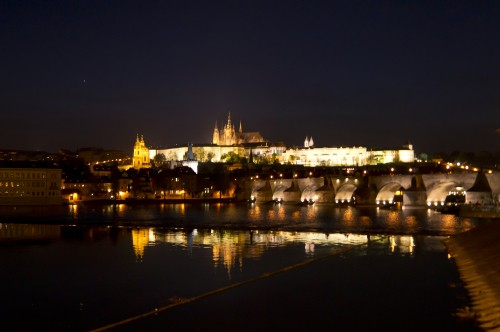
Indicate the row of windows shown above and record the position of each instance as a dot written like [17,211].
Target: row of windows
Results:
[35,184]
[8,193]
[24,175]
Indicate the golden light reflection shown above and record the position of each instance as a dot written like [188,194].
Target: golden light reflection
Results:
[402,244]
[365,221]
[73,210]
[281,213]
[311,212]
[348,217]
[231,248]
[393,217]
[140,240]
[411,221]
[449,221]
[121,208]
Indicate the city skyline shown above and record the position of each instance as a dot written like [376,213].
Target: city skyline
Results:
[361,73]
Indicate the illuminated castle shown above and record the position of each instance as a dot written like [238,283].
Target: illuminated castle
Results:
[229,136]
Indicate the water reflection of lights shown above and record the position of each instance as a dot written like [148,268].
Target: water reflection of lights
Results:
[73,210]
[141,238]
[403,244]
[311,212]
[309,248]
[229,248]
[365,221]
[449,221]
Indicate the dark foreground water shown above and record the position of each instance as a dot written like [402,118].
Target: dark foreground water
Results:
[81,268]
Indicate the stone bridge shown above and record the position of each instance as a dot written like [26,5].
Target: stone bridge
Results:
[409,190]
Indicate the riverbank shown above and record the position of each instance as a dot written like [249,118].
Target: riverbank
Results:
[477,255]
[479,211]
[152,201]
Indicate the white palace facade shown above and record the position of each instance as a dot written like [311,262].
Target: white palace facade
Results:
[346,156]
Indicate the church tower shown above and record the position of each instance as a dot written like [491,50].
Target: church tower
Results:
[215,139]
[229,134]
[141,154]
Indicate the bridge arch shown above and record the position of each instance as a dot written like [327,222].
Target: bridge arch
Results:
[438,193]
[278,194]
[387,194]
[345,193]
[309,193]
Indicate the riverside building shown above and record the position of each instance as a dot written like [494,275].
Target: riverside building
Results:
[30,183]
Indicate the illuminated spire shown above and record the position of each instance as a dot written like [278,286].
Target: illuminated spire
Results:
[241,128]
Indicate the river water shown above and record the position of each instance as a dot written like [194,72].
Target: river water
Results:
[83,267]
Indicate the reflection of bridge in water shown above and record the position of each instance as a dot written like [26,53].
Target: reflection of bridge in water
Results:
[229,248]
[409,190]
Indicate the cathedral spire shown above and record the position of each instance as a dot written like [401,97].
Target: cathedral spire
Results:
[241,128]
[229,119]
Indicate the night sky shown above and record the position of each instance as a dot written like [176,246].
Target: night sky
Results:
[87,73]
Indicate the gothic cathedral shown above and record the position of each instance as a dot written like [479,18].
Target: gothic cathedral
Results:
[227,136]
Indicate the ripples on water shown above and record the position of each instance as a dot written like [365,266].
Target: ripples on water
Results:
[326,218]
[81,267]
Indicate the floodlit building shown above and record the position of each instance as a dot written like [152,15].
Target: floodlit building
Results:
[141,158]
[30,183]
[229,136]
[345,156]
